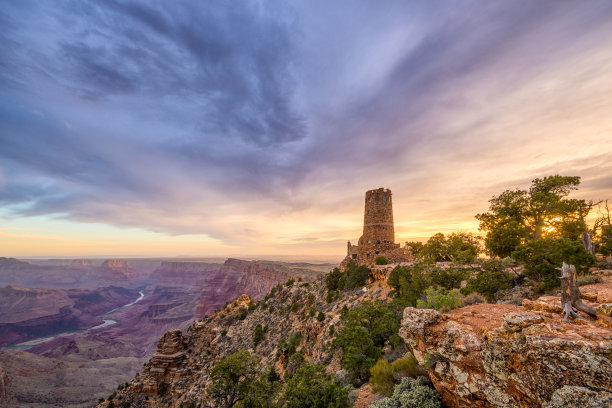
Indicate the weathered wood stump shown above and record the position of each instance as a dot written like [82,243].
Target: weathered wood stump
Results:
[570,294]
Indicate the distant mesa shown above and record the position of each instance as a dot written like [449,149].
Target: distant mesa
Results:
[115,264]
[378,238]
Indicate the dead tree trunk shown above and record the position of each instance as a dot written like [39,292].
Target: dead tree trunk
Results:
[587,241]
[570,294]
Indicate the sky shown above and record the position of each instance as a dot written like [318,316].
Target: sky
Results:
[254,128]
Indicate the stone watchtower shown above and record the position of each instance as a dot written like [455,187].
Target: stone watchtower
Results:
[378,218]
[378,237]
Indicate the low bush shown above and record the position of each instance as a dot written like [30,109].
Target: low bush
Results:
[472,299]
[589,280]
[411,393]
[440,299]
[381,260]
[310,387]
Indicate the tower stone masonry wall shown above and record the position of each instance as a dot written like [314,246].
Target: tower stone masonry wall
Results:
[378,238]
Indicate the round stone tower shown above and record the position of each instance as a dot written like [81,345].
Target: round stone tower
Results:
[378,218]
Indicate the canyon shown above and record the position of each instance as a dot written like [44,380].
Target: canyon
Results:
[64,339]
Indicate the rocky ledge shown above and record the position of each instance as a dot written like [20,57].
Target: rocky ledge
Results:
[506,356]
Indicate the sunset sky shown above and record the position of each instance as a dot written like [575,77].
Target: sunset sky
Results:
[254,128]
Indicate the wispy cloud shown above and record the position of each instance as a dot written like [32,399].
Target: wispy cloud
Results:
[270,120]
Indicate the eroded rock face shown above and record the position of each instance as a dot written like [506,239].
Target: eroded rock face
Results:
[506,356]
[164,365]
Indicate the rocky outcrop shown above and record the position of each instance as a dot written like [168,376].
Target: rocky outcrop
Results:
[505,356]
[172,273]
[164,365]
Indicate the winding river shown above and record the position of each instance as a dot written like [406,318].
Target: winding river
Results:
[106,322]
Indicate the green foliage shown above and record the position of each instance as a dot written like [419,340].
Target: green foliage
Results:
[290,282]
[381,377]
[292,343]
[311,298]
[312,312]
[519,216]
[543,257]
[406,367]
[310,387]
[459,247]
[448,278]
[366,329]
[410,282]
[243,314]
[489,280]
[411,393]
[440,299]
[589,280]
[332,330]
[356,276]
[110,404]
[258,335]
[273,376]
[605,245]
[240,380]
[335,280]
[415,248]
[381,260]
[251,306]
[321,316]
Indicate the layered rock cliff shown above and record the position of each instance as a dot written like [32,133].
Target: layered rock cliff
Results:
[506,356]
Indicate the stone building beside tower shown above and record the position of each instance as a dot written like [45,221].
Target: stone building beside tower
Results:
[378,238]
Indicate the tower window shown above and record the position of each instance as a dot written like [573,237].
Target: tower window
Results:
[384,198]
[370,199]
[368,212]
[377,198]
[378,242]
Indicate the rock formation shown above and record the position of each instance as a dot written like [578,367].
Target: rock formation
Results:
[505,356]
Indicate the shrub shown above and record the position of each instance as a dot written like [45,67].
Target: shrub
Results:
[310,387]
[290,282]
[411,393]
[251,306]
[312,312]
[258,335]
[356,276]
[381,260]
[543,257]
[440,299]
[381,377]
[240,377]
[332,330]
[489,280]
[311,298]
[330,296]
[448,278]
[321,316]
[335,280]
[293,342]
[359,353]
[472,299]
[243,314]
[406,367]
[589,280]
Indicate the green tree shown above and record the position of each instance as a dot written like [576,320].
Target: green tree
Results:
[258,335]
[415,248]
[333,279]
[356,276]
[544,257]
[543,211]
[435,249]
[311,387]
[462,247]
[239,380]
[359,353]
[490,279]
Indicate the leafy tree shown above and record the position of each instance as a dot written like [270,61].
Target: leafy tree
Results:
[381,260]
[239,380]
[311,387]
[543,257]
[440,299]
[435,249]
[333,279]
[448,278]
[359,353]
[462,247]
[490,279]
[356,276]
[605,244]
[376,318]
[543,211]
[415,248]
